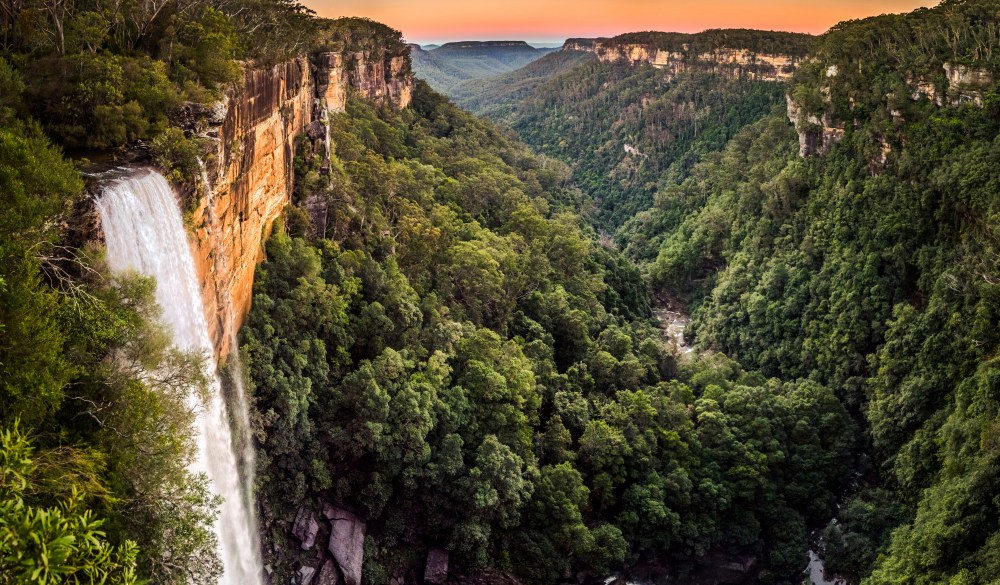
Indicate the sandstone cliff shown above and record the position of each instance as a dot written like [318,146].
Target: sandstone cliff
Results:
[729,62]
[249,173]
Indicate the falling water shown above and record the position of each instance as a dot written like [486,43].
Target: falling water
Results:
[144,232]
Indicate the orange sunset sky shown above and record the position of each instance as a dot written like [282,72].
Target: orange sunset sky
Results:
[427,21]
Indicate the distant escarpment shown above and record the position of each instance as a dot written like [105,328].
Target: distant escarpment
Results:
[248,174]
[738,53]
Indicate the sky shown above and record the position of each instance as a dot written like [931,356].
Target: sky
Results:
[437,21]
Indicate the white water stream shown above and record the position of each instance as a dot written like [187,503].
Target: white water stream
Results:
[145,233]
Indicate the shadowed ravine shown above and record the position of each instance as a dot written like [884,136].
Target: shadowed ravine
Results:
[145,233]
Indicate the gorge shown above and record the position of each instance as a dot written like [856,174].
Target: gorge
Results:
[709,308]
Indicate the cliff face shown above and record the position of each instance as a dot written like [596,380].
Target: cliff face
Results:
[728,62]
[248,176]
[820,130]
[381,77]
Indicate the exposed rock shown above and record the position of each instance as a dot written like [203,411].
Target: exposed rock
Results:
[436,570]
[347,542]
[816,135]
[316,131]
[305,528]
[727,62]
[331,88]
[305,575]
[327,574]
[966,84]
[381,77]
[254,130]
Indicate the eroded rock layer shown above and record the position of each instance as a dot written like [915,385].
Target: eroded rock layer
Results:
[249,173]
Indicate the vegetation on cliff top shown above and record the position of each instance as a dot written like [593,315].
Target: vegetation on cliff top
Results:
[755,41]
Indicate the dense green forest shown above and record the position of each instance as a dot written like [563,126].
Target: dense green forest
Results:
[497,97]
[626,129]
[872,273]
[756,41]
[456,358]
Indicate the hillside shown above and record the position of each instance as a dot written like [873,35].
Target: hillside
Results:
[868,265]
[635,116]
[449,65]
[498,97]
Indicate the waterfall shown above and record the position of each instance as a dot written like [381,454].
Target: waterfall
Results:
[145,233]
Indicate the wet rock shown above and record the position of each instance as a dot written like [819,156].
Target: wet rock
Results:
[316,131]
[305,528]
[347,541]
[327,574]
[305,575]
[436,570]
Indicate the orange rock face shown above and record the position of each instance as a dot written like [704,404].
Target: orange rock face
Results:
[252,183]
[250,179]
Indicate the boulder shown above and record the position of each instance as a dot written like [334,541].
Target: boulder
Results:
[327,574]
[436,570]
[305,575]
[305,528]
[347,543]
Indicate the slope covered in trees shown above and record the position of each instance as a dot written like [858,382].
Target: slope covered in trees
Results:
[454,358]
[452,64]
[624,130]
[497,97]
[871,269]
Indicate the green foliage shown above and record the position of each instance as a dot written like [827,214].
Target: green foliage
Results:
[455,64]
[36,185]
[101,76]
[443,347]
[177,155]
[82,357]
[755,41]
[60,543]
[497,97]
[871,273]
[625,131]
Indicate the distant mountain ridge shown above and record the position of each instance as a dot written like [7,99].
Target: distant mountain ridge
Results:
[451,64]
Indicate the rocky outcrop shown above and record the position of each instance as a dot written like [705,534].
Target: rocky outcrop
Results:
[347,543]
[967,84]
[819,132]
[381,78]
[729,62]
[436,571]
[305,528]
[305,576]
[327,574]
[817,135]
[249,171]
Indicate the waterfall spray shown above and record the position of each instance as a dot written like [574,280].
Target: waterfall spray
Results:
[145,233]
